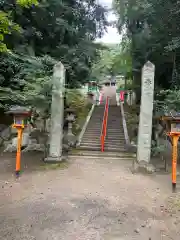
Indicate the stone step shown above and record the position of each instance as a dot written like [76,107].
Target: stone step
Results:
[115,142]
[119,140]
[93,129]
[117,146]
[94,124]
[114,137]
[111,158]
[92,144]
[97,148]
[97,119]
[118,143]
[115,125]
[95,136]
[115,119]
[111,135]
[92,121]
[108,146]
[114,131]
[98,142]
[103,155]
[117,133]
[111,123]
[99,153]
[92,135]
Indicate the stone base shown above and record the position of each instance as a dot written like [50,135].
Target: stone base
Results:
[142,167]
[50,159]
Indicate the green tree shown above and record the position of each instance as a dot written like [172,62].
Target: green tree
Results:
[53,29]
[7,26]
[153,28]
[114,60]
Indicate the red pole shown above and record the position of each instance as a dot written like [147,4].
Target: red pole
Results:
[18,154]
[174,161]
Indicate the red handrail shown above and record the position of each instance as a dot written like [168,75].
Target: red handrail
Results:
[104,124]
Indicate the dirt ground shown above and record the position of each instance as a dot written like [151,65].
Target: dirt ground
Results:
[87,199]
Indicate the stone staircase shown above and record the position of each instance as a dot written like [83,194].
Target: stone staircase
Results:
[115,141]
[91,137]
[115,147]
[115,137]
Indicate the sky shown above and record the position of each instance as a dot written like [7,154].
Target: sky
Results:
[112,35]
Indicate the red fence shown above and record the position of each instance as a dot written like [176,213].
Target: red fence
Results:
[104,124]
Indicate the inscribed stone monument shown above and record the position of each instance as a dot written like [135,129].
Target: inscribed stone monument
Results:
[57,114]
[146,112]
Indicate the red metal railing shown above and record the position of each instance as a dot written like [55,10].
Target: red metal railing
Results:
[104,124]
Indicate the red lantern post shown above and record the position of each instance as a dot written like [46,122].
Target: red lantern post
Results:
[21,116]
[173,130]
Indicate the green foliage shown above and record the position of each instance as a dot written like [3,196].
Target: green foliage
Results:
[113,60]
[168,101]
[75,100]
[157,150]
[122,62]
[27,3]
[37,34]
[104,65]
[153,29]
[7,25]
[29,81]
[78,102]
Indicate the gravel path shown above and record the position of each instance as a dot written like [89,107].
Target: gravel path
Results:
[91,199]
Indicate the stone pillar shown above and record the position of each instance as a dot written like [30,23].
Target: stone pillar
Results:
[57,114]
[146,114]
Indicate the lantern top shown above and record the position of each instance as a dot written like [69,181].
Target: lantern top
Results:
[19,110]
